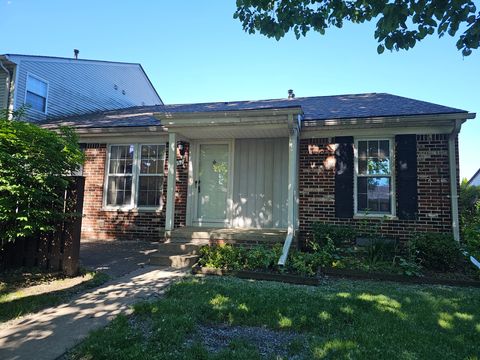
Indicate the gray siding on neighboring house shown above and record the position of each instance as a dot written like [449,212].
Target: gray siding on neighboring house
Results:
[76,86]
[3,90]
[260,183]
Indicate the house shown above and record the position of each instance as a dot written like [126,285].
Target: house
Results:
[51,87]
[475,180]
[270,168]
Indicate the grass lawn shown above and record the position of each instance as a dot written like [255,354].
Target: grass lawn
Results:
[228,318]
[24,292]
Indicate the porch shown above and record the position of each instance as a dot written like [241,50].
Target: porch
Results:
[211,235]
[181,246]
[242,183]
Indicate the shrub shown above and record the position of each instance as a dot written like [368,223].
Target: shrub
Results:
[339,234]
[260,257]
[33,165]
[222,257]
[469,204]
[436,251]
[303,263]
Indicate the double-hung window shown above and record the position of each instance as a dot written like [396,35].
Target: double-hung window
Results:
[135,175]
[374,178]
[36,96]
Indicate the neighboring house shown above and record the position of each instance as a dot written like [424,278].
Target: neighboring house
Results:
[53,87]
[271,164]
[475,180]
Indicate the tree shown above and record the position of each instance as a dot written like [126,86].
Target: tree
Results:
[34,163]
[400,23]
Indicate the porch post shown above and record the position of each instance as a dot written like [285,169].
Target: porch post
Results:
[171,182]
[294,131]
[292,178]
[452,163]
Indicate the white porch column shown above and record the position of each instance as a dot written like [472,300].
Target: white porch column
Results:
[452,164]
[171,182]
[292,187]
[292,180]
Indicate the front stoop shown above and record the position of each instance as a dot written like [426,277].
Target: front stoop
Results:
[177,254]
[174,261]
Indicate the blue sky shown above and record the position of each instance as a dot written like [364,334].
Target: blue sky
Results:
[194,51]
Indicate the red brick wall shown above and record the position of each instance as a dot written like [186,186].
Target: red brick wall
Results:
[317,189]
[120,224]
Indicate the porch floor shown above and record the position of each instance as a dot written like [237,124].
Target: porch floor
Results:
[212,235]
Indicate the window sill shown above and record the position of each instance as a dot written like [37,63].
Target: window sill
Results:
[375,216]
[132,209]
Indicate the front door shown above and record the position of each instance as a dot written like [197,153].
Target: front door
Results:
[212,184]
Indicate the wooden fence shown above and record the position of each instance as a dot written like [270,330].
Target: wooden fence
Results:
[57,250]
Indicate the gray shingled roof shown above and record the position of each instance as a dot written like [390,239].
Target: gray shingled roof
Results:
[314,108]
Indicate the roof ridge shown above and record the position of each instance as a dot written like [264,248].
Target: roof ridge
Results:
[72,59]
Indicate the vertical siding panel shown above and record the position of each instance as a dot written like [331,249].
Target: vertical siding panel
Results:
[260,185]
[269,154]
[252,146]
[260,178]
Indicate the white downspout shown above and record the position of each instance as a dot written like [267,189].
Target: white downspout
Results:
[453,178]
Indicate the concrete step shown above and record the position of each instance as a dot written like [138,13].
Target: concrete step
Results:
[178,248]
[186,240]
[175,261]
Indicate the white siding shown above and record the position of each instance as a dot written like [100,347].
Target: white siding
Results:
[260,183]
[3,90]
[77,87]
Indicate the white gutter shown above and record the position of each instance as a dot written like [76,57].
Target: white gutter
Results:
[8,83]
[452,164]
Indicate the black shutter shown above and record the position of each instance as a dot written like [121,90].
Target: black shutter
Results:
[406,167]
[344,177]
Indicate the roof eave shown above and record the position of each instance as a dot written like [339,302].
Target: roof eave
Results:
[388,120]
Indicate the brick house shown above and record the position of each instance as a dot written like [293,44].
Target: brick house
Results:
[270,168]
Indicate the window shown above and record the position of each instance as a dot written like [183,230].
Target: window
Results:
[36,96]
[373,169]
[135,175]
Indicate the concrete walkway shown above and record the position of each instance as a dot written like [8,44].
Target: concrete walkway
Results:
[48,334]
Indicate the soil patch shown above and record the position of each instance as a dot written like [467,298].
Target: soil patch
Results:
[268,343]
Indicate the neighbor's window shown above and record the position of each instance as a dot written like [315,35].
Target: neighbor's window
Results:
[374,177]
[37,90]
[135,175]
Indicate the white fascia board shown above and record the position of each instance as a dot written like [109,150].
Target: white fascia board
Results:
[174,120]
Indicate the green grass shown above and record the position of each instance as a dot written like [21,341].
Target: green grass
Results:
[339,319]
[16,300]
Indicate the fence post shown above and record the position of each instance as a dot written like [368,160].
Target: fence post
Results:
[73,226]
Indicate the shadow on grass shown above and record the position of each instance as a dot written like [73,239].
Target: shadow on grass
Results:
[22,305]
[341,319]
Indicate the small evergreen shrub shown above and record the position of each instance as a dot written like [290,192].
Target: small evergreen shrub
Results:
[436,251]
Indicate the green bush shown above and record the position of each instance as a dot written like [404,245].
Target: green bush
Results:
[33,165]
[230,257]
[339,234]
[469,204]
[261,257]
[222,257]
[436,251]
[303,263]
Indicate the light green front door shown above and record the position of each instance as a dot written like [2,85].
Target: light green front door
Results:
[212,183]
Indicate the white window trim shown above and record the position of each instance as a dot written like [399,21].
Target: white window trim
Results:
[393,202]
[26,90]
[135,176]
